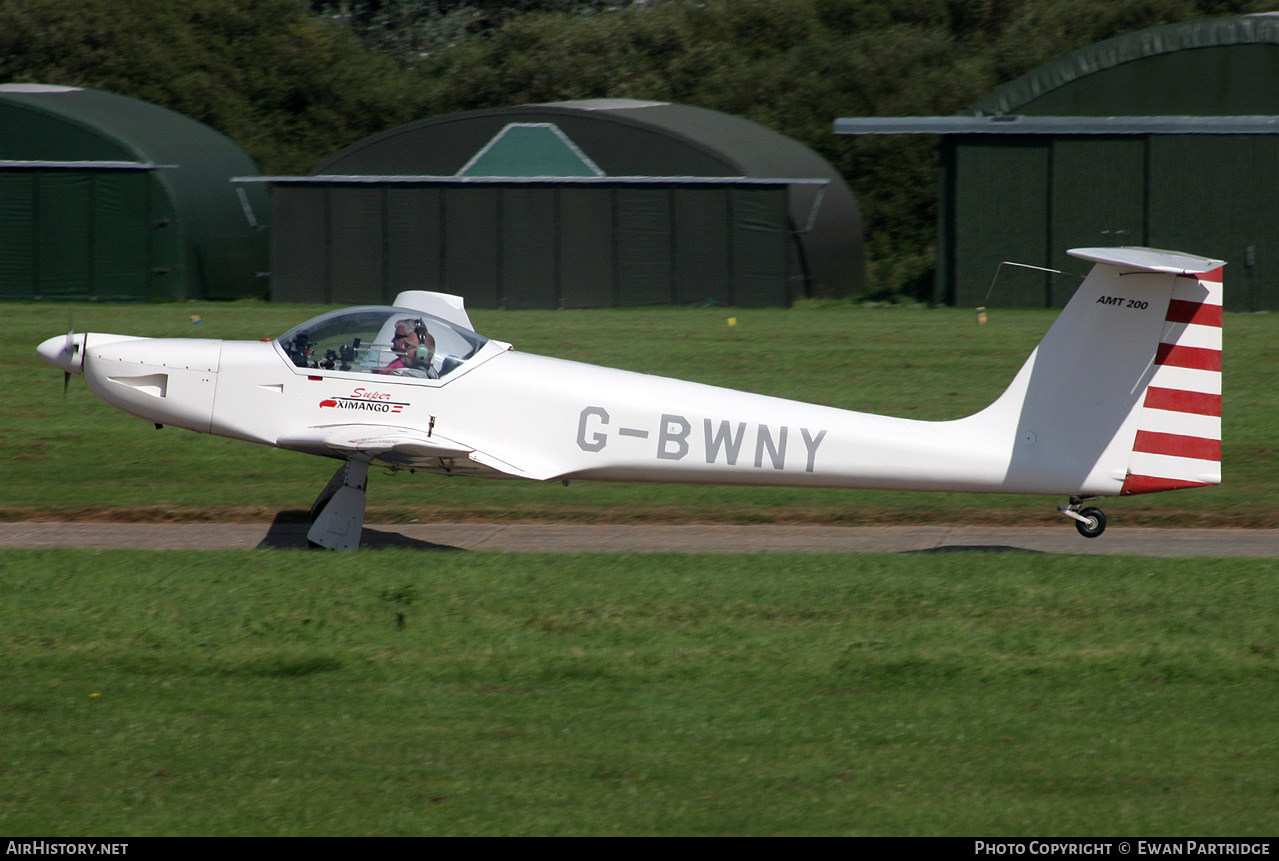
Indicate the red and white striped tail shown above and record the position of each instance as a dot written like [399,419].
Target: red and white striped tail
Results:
[1178,441]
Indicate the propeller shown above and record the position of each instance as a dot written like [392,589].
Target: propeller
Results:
[71,348]
[64,353]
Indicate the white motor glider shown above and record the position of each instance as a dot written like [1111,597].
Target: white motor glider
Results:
[1122,396]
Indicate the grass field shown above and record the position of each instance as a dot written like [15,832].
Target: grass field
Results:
[396,692]
[73,456]
[403,692]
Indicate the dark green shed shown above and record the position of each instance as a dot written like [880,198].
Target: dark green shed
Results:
[573,204]
[1186,179]
[1167,137]
[107,197]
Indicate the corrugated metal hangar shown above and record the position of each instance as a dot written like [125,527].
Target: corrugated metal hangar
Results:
[1167,137]
[107,197]
[573,204]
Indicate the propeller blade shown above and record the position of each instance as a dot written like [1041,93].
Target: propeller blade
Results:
[69,348]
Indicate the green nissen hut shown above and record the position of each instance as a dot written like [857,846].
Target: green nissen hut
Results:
[107,197]
[1195,168]
[593,203]
[1167,137]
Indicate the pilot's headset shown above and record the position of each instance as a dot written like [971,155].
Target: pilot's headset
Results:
[425,349]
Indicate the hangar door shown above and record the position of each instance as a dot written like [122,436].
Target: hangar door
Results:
[545,244]
[1028,199]
[83,233]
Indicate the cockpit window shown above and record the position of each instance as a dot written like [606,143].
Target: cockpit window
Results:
[381,340]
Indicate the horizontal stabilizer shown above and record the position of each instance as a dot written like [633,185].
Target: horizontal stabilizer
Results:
[1149,259]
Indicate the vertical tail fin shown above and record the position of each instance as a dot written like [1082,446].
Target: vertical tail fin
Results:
[1123,395]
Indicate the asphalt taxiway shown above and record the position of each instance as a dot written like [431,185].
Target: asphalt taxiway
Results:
[562,538]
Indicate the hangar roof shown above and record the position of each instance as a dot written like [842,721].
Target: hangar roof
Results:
[1216,66]
[606,140]
[1040,125]
[51,127]
[43,122]
[679,141]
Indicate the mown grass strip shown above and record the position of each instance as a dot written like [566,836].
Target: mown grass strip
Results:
[402,692]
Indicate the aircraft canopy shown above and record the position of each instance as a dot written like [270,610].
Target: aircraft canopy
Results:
[380,339]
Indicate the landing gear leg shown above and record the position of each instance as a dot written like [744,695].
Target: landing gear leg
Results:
[337,517]
[1090,522]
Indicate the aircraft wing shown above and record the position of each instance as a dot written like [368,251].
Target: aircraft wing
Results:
[408,447]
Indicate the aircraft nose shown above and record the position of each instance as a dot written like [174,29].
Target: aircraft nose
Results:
[64,352]
[170,381]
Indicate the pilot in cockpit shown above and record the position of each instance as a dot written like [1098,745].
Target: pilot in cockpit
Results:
[414,348]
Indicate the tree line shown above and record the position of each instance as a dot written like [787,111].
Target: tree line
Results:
[293,82]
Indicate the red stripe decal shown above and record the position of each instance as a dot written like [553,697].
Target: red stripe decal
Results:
[1134,484]
[1179,401]
[1199,358]
[1214,275]
[1181,311]
[1176,445]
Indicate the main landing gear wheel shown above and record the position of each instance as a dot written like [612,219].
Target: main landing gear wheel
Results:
[1090,521]
[337,516]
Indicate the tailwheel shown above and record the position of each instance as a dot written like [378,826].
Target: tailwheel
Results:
[1093,523]
[1090,522]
